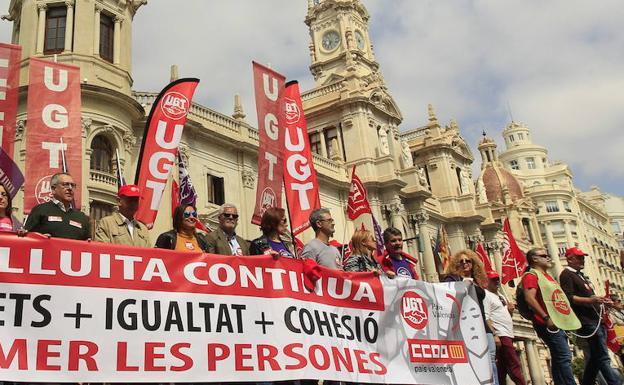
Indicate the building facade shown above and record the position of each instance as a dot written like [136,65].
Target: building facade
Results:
[417,179]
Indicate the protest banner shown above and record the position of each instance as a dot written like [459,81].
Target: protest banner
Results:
[269,89]
[92,312]
[163,132]
[10,56]
[54,129]
[300,183]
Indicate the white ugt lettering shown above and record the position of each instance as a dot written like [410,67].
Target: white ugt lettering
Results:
[175,138]
[48,79]
[54,152]
[270,94]
[55,116]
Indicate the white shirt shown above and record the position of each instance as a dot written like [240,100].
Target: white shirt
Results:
[130,224]
[498,314]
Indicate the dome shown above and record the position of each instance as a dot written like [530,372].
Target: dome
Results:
[497,181]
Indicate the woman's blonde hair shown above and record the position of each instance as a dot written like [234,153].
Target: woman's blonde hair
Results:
[357,242]
[478,271]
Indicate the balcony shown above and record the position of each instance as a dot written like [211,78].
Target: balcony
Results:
[103,178]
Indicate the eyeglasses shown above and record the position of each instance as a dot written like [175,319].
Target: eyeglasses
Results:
[465,261]
[230,216]
[547,256]
[188,214]
[330,220]
[66,185]
[4,195]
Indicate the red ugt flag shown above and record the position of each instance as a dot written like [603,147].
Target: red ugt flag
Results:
[54,135]
[269,90]
[9,83]
[300,181]
[357,203]
[480,250]
[163,132]
[514,262]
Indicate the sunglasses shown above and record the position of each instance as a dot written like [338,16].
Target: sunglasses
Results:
[465,261]
[188,214]
[230,216]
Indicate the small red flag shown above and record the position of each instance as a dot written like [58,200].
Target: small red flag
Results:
[484,257]
[514,262]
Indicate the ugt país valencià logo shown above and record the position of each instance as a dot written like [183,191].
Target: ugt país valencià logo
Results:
[414,310]
[175,105]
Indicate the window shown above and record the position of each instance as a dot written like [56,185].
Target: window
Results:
[315,143]
[566,207]
[216,191]
[573,229]
[514,165]
[530,163]
[616,227]
[552,206]
[330,135]
[561,248]
[545,162]
[511,138]
[107,28]
[55,30]
[527,229]
[520,136]
[101,154]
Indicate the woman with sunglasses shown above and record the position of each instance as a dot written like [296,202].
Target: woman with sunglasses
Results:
[465,265]
[184,236]
[274,232]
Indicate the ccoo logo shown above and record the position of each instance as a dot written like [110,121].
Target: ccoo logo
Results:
[414,310]
[175,105]
[291,110]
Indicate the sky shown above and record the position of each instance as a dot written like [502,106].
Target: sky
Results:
[555,65]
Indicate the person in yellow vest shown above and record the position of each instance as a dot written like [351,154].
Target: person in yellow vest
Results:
[552,313]
[121,228]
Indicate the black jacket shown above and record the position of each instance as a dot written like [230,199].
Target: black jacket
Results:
[167,240]
[259,245]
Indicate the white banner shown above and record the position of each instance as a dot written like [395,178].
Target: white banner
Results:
[91,312]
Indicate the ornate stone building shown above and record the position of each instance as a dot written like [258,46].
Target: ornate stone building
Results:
[417,179]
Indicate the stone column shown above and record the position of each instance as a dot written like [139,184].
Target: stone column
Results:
[431,274]
[495,246]
[537,377]
[117,40]
[568,233]
[41,28]
[396,216]
[323,153]
[96,30]
[69,25]
[552,250]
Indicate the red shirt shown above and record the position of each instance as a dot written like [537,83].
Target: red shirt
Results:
[529,281]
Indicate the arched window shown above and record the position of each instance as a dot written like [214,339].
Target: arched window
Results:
[101,154]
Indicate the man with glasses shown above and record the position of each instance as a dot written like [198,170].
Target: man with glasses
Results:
[587,307]
[121,228]
[57,217]
[319,248]
[224,240]
[534,282]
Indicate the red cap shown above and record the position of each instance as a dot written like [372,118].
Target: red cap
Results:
[492,274]
[574,251]
[129,190]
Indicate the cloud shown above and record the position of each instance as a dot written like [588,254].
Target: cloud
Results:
[557,64]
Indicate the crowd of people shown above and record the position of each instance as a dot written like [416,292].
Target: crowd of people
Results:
[58,218]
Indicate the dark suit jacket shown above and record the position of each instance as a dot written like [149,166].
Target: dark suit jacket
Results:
[218,243]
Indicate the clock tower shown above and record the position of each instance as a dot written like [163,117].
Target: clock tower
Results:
[354,121]
[340,43]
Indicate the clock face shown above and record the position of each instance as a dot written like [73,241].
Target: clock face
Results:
[331,40]
[359,40]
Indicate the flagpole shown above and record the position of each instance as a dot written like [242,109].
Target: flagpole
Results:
[292,233]
[63,156]
[120,179]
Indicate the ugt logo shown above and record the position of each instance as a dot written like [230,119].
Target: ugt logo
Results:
[559,302]
[267,198]
[291,110]
[414,310]
[43,190]
[175,105]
